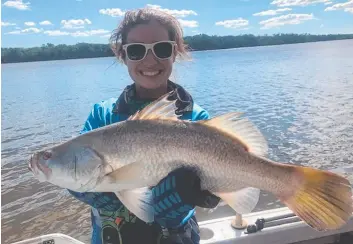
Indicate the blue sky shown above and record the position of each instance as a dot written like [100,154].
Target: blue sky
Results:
[27,23]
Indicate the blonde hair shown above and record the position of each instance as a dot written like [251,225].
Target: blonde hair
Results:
[144,16]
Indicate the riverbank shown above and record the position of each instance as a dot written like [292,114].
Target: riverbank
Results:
[200,42]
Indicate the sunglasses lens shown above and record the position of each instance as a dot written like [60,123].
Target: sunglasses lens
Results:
[136,51]
[163,49]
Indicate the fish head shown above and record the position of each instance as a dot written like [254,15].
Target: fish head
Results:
[78,168]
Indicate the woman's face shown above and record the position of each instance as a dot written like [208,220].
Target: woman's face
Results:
[149,73]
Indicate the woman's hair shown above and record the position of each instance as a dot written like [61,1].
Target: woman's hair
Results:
[144,16]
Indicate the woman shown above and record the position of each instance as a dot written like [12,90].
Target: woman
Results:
[148,42]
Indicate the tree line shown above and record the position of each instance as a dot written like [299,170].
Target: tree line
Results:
[196,43]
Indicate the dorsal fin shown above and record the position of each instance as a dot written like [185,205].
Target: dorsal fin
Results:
[241,129]
[162,108]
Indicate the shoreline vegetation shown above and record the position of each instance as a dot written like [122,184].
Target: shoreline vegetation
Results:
[199,42]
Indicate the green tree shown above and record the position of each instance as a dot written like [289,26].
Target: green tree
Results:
[50,51]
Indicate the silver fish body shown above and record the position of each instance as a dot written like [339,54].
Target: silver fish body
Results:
[159,146]
[227,152]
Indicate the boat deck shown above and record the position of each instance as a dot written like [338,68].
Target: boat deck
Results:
[277,226]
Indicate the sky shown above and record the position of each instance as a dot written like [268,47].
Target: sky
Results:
[28,23]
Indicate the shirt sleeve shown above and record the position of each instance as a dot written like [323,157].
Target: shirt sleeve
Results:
[199,113]
[94,119]
[203,115]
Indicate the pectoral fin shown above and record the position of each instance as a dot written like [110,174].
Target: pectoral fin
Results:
[129,174]
[242,201]
[139,202]
[125,178]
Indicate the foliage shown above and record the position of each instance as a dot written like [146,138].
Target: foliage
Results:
[198,42]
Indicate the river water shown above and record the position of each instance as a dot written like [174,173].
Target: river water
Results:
[300,96]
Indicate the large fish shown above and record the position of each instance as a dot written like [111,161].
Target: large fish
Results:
[228,153]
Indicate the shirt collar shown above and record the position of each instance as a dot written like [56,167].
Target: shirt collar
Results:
[128,104]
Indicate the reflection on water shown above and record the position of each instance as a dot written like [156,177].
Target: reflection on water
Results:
[300,96]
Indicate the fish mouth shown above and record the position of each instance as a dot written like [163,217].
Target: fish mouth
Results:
[37,168]
[45,170]
[31,165]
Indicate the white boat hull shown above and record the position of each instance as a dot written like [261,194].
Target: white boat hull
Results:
[281,231]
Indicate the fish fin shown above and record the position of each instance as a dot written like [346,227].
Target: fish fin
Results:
[162,108]
[242,201]
[139,202]
[125,174]
[322,199]
[241,129]
[125,177]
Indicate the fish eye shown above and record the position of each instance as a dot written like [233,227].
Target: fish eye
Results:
[46,155]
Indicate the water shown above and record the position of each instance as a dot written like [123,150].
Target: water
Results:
[300,96]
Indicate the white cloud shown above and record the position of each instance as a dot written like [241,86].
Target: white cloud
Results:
[235,23]
[106,36]
[75,23]
[89,33]
[176,13]
[80,34]
[30,23]
[114,12]
[45,22]
[7,24]
[98,32]
[272,12]
[31,30]
[77,33]
[287,3]
[328,3]
[13,32]
[56,33]
[188,23]
[17,4]
[347,7]
[289,19]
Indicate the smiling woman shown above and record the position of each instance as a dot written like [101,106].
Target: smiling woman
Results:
[148,42]
[149,65]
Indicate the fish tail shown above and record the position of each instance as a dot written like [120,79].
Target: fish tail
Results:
[322,199]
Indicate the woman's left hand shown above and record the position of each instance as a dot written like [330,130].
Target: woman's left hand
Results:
[176,196]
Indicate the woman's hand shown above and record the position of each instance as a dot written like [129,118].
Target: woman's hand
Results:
[176,196]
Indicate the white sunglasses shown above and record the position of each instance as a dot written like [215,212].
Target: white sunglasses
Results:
[138,51]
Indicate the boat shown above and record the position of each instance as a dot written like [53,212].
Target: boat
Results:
[275,226]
